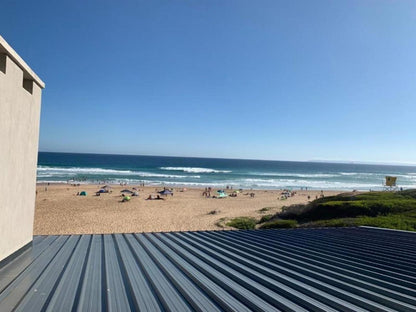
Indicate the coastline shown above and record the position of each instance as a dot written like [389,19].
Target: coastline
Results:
[60,211]
[176,186]
[159,171]
[195,187]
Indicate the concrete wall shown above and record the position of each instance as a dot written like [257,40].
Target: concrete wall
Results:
[20,99]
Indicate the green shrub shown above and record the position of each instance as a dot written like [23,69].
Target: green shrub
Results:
[265,209]
[280,224]
[408,193]
[243,223]
[395,210]
[349,205]
[397,221]
[265,218]
[344,222]
[220,222]
[294,211]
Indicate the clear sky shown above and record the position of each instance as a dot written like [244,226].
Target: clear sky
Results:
[284,80]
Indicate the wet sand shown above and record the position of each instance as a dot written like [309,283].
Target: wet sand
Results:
[60,211]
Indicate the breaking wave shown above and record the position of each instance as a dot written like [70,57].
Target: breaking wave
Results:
[245,178]
[194,170]
[298,175]
[44,171]
[78,170]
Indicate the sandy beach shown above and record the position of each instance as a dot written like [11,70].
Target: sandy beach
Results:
[60,211]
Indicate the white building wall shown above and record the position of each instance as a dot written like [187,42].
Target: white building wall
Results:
[19,135]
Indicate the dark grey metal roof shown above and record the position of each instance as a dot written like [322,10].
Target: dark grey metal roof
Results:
[349,269]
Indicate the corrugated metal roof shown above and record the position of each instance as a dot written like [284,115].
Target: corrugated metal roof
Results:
[348,269]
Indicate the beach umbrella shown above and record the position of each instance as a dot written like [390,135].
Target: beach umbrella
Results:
[126,191]
[165,192]
[83,193]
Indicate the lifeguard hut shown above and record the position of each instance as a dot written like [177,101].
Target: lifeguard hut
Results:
[390,183]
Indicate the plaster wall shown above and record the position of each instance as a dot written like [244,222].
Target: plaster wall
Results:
[20,100]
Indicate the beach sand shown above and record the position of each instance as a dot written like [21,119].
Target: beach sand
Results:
[60,211]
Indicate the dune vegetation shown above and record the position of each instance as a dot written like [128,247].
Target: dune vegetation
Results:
[394,210]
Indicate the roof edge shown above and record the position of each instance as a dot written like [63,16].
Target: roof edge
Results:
[20,62]
[385,229]
[14,255]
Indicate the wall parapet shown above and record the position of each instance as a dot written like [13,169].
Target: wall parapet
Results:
[28,73]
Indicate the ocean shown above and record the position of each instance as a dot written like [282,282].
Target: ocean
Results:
[204,172]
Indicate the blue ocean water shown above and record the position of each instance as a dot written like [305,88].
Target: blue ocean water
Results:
[203,172]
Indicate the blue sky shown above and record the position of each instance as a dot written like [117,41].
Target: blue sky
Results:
[284,80]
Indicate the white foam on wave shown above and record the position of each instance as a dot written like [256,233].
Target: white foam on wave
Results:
[297,175]
[56,181]
[256,180]
[295,183]
[266,184]
[77,170]
[251,183]
[362,174]
[44,171]
[161,175]
[194,170]
[406,176]
[270,184]
[381,175]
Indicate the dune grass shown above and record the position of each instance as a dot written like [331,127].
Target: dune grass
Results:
[265,209]
[243,223]
[265,218]
[279,224]
[394,210]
